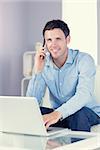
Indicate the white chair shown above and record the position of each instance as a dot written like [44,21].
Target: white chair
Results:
[96,128]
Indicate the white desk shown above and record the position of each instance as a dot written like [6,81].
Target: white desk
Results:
[58,142]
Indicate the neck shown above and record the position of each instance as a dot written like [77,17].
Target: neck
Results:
[60,62]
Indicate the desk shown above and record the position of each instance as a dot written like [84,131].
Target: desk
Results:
[62,141]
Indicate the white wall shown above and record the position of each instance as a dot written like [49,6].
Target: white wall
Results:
[81,16]
[21,24]
[98,31]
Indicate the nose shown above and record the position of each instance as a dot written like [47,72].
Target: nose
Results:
[54,43]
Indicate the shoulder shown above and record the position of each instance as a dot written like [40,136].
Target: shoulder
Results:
[83,61]
[81,57]
[86,63]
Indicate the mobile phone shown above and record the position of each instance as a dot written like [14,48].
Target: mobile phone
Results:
[42,57]
[46,50]
[43,42]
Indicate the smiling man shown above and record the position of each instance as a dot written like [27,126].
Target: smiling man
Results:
[69,75]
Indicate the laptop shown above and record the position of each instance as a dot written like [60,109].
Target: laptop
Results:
[22,115]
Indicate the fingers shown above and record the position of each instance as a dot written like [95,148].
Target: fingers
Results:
[42,54]
[49,119]
[41,50]
[48,124]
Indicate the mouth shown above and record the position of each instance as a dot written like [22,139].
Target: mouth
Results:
[55,50]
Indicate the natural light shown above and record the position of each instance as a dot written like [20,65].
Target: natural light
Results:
[81,16]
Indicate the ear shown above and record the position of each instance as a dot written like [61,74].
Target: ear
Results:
[68,39]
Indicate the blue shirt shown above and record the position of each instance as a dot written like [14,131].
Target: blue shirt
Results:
[71,87]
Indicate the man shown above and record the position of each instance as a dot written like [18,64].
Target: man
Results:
[69,76]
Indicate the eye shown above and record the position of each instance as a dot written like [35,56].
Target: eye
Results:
[58,38]
[49,40]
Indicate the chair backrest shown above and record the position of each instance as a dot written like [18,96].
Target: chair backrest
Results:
[97,84]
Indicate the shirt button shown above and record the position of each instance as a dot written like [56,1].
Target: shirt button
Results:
[60,84]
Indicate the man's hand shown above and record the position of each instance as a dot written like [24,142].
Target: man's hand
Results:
[51,118]
[39,61]
[39,58]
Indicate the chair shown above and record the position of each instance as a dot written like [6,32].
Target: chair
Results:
[96,128]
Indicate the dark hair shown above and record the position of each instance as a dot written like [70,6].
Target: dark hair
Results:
[57,24]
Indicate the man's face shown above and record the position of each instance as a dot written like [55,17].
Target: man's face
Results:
[56,43]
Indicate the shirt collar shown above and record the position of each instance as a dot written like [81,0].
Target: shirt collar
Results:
[70,57]
[68,61]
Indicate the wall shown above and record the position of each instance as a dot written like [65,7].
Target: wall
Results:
[21,24]
[98,33]
[81,16]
